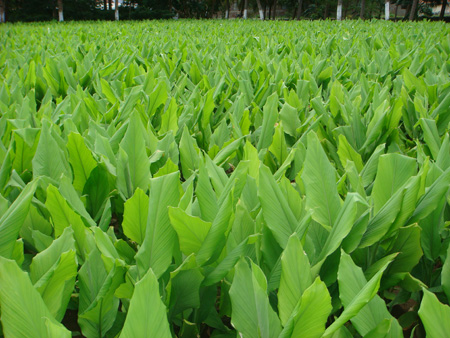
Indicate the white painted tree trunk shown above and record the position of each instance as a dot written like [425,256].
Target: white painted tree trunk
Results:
[2,11]
[227,14]
[339,11]
[386,10]
[261,14]
[60,11]
[260,9]
[116,10]
[245,14]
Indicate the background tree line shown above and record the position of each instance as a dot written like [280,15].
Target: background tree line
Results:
[44,10]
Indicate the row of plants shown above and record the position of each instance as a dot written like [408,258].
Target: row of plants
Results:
[256,179]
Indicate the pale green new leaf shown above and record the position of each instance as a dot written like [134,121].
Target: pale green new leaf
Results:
[434,315]
[312,314]
[23,312]
[146,315]
[135,216]
[191,230]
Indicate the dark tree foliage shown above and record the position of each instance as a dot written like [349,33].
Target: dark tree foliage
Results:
[45,10]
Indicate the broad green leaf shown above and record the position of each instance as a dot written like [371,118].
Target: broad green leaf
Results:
[278,147]
[319,178]
[312,314]
[97,190]
[228,263]
[351,281]
[393,172]
[63,216]
[289,119]
[191,231]
[13,219]
[341,227]
[206,196]
[433,195]
[252,314]
[215,240]
[347,153]
[183,288]
[44,261]
[169,119]
[81,159]
[445,275]
[360,299]
[24,313]
[295,278]
[156,98]
[434,315]
[135,171]
[224,154]
[147,313]
[407,244]
[135,216]
[97,305]
[277,213]
[431,136]
[49,159]
[189,157]
[160,238]
[57,285]
[270,114]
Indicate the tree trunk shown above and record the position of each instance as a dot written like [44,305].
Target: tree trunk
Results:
[339,11]
[408,10]
[412,15]
[395,12]
[60,11]
[227,10]
[116,10]
[299,9]
[105,4]
[110,4]
[274,13]
[245,9]
[270,11]
[386,10]
[442,14]
[363,8]
[260,9]
[2,11]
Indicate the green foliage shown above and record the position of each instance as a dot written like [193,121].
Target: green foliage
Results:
[223,179]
